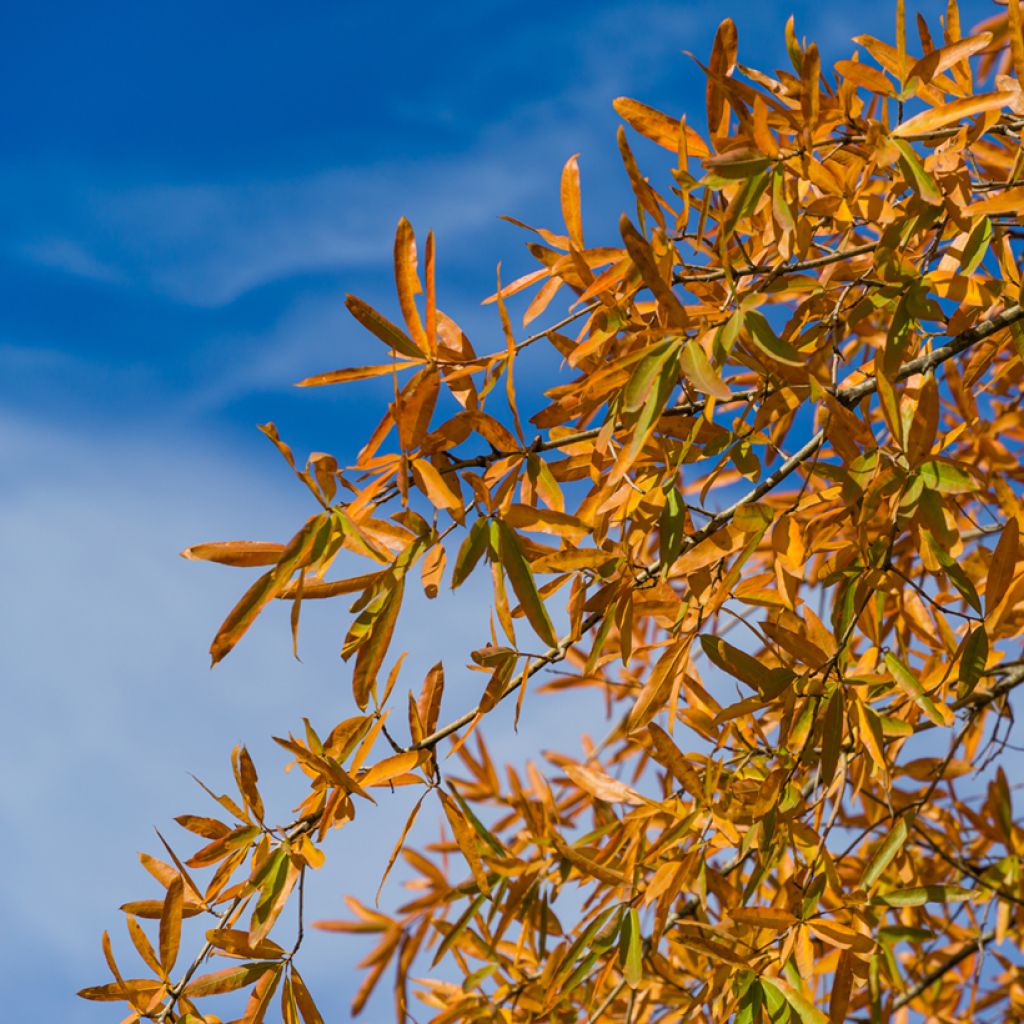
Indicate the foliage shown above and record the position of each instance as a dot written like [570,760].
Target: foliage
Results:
[771,517]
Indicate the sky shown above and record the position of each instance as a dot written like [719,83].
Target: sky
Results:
[187,191]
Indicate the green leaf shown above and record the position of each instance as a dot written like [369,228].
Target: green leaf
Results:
[747,669]
[904,933]
[750,1004]
[803,1007]
[899,336]
[700,373]
[518,571]
[671,529]
[743,203]
[956,575]
[911,685]
[455,930]
[973,659]
[646,373]
[946,478]
[769,343]
[631,953]
[473,546]
[832,735]
[884,854]
[924,894]
[922,182]
[976,246]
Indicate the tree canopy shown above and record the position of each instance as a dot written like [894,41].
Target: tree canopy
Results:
[765,500]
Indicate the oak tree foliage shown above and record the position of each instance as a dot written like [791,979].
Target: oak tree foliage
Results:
[768,508]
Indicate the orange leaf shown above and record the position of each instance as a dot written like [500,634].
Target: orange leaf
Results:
[601,785]
[264,590]
[436,488]
[382,328]
[408,282]
[466,839]
[170,924]
[391,767]
[236,552]
[1003,566]
[415,405]
[930,120]
[659,127]
[353,373]
[571,201]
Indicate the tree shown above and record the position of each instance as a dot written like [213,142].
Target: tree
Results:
[771,515]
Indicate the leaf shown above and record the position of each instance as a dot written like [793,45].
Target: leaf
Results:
[465,838]
[408,283]
[276,881]
[429,704]
[236,552]
[544,520]
[973,660]
[518,571]
[742,666]
[938,714]
[631,953]
[885,853]
[601,785]
[118,991]
[571,201]
[1003,566]
[1009,200]
[434,486]
[415,405]
[432,570]
[472,547]
[170,924]
[832,735]
[247,779]
[659,127]
[918,897]
[945,477]
[409,822]
[775,918]
[584,863]
[382,328]
[700,373]
[939,117]
[921,180]
[804,1009]
[308,1009]
[264,590]
[768,343]
[229,980]
[671,529]
[391,767]
[371,654]
[142,944]
[669,755]
[354,373]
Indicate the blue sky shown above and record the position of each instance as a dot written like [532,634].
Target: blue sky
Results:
[186,193]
